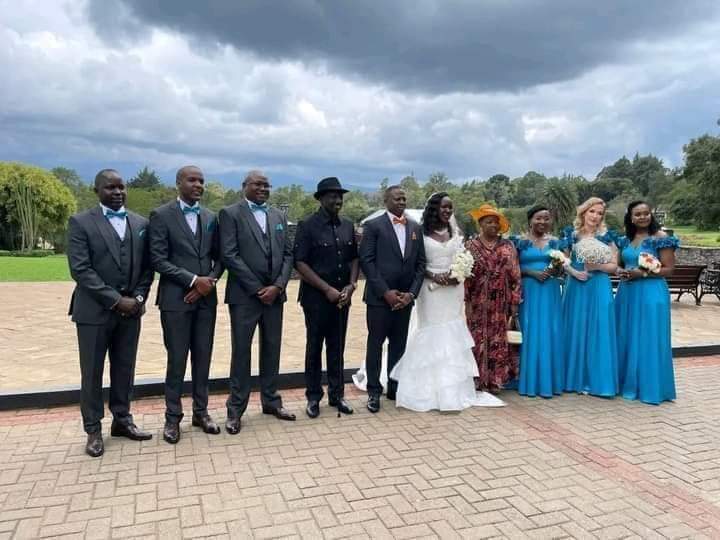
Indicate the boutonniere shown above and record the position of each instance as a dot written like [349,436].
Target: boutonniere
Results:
[414,236]
[211,225]
[141,233]
[279,227]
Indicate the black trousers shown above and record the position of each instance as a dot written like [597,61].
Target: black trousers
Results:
[325,323]
[118,338]
[186,332]
[382,324]
[244,319]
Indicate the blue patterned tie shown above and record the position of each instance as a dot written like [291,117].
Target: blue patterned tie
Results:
[262,207]
[191,210]
[122,214]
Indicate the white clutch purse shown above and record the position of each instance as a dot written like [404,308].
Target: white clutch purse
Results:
[514,337]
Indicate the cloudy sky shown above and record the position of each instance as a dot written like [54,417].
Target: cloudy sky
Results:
[358,89]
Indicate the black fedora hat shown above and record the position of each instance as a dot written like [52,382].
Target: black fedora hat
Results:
[328,184]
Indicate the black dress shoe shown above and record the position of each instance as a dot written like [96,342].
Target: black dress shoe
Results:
[207,424]
[281,413]
[313,408]
[232,425]
[131,431]
[171,432]
[94,446]
[373,404]
[342,405]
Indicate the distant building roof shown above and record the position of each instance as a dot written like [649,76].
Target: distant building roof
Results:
[414,214]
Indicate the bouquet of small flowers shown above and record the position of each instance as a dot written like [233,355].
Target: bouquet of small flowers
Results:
[649,263]
[592,250]
[460,268]
[557,260]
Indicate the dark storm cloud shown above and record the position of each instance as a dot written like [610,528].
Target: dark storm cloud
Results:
[431,46]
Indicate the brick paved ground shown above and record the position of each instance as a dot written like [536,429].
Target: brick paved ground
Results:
[573,466]
[38,347]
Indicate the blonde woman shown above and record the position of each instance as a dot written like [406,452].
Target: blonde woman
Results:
[588,316]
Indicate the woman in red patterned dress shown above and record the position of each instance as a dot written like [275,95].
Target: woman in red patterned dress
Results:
[492,296]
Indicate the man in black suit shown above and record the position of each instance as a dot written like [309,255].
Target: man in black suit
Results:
[185,251]
[326,258]
[392,257]
[257,252]
[110,263]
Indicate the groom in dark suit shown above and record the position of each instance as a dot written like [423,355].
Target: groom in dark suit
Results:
[392,257]
[185,251]
[110,263]
[257,252]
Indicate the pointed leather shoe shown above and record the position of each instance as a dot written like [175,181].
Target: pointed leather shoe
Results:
[131,431]
[342,406]
[94,446]
[373,404]
[207,424]
[281,413]
[171,432]
[313,409]
[233,425]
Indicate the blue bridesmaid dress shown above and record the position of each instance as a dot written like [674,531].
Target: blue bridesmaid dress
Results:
[642,312]
[541,353]
[591,364]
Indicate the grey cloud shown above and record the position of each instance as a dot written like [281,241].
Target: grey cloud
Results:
[430,46]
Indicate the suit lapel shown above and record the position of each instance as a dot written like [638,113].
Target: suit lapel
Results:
[137,231]
[107,232]
[254,227]
[391,231]
[203,231]
[183,224]
[408,239]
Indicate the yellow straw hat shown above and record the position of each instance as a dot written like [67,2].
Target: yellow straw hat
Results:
[488,210]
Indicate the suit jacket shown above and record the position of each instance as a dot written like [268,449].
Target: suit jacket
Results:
[94,261]
[245,256]
[177,256]
[383,264]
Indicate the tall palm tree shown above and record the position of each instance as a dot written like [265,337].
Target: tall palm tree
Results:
[560,197]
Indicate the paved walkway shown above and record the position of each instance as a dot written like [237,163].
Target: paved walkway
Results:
[38,346]
[573,466]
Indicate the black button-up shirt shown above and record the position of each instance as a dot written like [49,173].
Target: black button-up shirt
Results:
[328,246]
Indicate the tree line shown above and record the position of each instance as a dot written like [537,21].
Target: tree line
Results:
[35,203]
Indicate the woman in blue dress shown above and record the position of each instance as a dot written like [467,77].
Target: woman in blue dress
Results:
[588,314]
[541,354]
[642,309]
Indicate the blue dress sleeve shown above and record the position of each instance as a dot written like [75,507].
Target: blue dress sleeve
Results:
[567,238]
[671,242]
[519,243]
[622,242]
[610,237]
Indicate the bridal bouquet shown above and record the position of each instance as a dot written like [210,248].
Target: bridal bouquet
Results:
[460,268]
[557,260]
[592,250]
[649,263]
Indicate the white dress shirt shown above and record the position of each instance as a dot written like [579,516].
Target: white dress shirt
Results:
[190,217]
[399,232]
[119,224]
[260,216]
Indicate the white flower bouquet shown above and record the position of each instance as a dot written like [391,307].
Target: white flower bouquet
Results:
[649,263]
[460,268]
[557,260]
[592,250]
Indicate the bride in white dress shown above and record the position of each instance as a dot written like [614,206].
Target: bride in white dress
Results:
[437,369]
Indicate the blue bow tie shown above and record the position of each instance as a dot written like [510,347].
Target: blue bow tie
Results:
[191,210]
[122,214]
[262,207]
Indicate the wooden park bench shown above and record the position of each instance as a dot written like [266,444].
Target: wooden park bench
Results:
[685,279]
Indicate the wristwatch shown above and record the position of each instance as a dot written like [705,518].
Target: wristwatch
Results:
[140,298]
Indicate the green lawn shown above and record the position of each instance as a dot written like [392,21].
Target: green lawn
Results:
[52,268]
[690,236]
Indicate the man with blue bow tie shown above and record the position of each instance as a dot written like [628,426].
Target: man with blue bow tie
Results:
[110,263]
[257,253]
[185,251]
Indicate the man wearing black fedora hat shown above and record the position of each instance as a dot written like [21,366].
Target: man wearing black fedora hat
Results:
[326,257]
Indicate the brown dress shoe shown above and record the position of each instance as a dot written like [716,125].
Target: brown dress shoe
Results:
[206,423]
[281,413]
[131,431]
[171,432]
[94,446]
[232,425]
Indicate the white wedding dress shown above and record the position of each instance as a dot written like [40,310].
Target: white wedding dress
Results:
[437,369]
